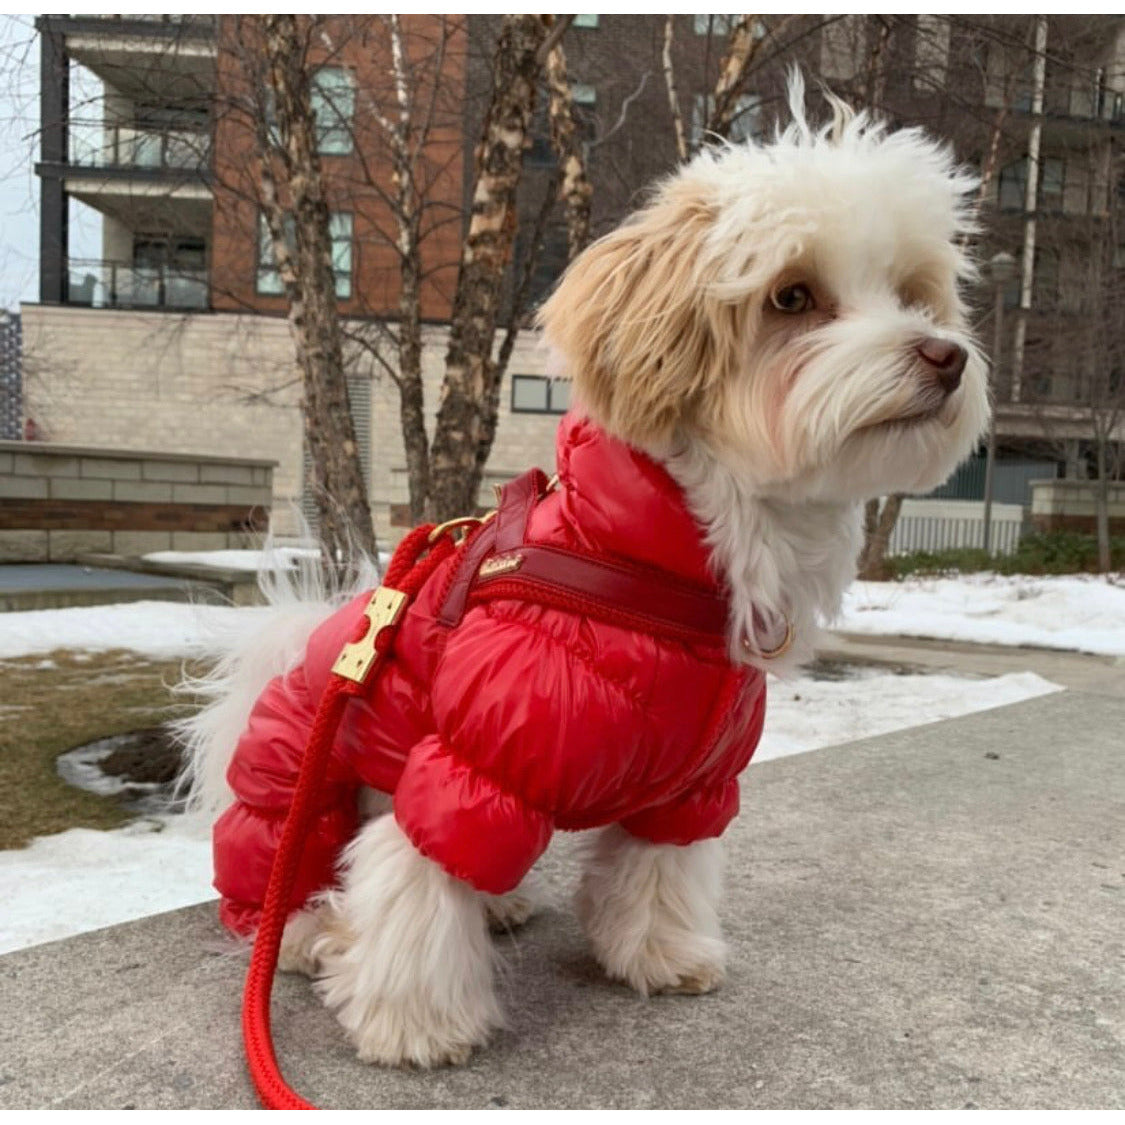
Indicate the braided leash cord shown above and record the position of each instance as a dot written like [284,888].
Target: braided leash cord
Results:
[407,573]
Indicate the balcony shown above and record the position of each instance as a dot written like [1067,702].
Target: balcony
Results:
[94,144]
[124,285]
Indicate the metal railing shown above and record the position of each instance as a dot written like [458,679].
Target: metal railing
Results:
[125,285]
[95,144]
[1087,101]
[946,525]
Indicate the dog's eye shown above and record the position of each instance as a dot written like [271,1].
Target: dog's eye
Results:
[792,299]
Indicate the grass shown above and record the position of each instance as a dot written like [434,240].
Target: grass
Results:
[1056,552]
[51,704]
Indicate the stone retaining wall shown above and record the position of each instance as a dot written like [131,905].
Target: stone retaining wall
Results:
[58,502]
[1068,505]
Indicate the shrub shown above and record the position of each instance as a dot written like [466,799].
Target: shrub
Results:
[1051,552]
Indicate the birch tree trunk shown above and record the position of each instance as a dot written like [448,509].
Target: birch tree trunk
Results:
[575,187]
[670,86]
[470,374]
[292,192]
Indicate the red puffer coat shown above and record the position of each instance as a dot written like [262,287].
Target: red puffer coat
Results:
[521,719]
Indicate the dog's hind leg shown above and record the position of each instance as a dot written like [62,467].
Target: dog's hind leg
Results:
[405,961]
[649,912]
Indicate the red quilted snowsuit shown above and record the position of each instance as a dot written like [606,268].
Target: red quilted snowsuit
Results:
[521,719]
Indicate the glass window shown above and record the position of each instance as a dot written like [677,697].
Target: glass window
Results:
[530,394]
[333,105]
[536,394]
[1051,183]
[746,123]
[1045,287]
[586,21]
[584,94]
[713,25]
[340,230]
[1013,185]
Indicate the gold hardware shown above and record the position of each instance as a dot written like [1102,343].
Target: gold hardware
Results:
[452,526]
[357,658]
[773,653]
[500,564]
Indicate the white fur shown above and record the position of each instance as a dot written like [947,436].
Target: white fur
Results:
[405,960]
[649,912]
[299,600]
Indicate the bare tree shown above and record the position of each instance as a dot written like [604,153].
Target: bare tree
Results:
[296,212]
[461,441]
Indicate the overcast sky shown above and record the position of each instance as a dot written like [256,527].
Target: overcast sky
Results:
[19,186]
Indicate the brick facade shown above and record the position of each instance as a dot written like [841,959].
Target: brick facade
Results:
[356,183]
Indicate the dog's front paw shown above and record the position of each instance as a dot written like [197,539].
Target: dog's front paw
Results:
[695,982]
[402,1033]
[689,966]
[303,932]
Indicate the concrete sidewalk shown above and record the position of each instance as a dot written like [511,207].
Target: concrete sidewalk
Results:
[929,919]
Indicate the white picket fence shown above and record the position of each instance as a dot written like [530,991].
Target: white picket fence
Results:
[943,525]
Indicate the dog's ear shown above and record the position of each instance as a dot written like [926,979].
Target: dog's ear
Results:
[633,317]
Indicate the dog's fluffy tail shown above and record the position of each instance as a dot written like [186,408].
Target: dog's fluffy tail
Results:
[298,598]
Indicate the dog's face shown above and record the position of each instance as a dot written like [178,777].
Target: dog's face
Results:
[795,307]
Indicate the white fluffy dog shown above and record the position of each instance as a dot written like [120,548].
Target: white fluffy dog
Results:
[781,328]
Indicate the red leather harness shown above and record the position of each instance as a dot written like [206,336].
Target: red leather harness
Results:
[495,562]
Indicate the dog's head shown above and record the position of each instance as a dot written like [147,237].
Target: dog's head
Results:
[795,307]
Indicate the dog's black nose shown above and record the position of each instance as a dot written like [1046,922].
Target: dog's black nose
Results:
[947,360]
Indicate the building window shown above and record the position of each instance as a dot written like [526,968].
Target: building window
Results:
[745,125]
[1045,285]
[723,25]
[333,103]
[931,52]
[536,394]
[1052,183]
[584,94]
[585,21]
[340,225]
[1013,185]
[332,95]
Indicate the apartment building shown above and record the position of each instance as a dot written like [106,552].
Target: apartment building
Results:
[175,337]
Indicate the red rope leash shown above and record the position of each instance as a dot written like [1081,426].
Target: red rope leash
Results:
[407,575]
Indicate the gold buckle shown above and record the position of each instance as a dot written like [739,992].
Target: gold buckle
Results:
[357,658]
[450,527]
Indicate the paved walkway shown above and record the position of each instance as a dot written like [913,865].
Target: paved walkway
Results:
[928,919]
[1104,675]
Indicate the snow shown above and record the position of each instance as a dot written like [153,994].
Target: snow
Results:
[805,714]
[275,559]
[83,880]
[1081,613]
[161,630]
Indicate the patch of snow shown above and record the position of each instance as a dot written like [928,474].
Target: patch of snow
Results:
[279,558]
[83,880]
[807,714]
[1082,613]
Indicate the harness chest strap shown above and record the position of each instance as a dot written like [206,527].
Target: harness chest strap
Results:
[499,562]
